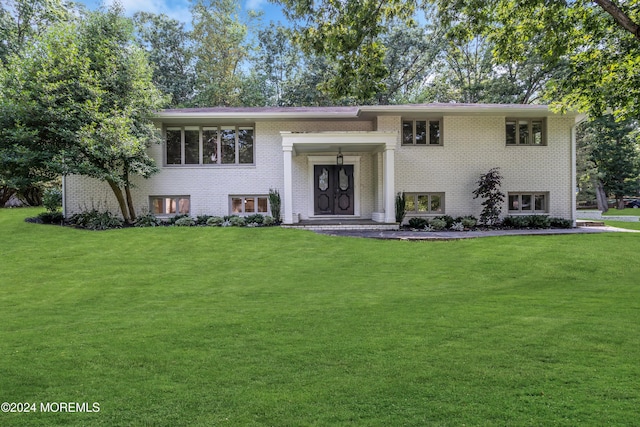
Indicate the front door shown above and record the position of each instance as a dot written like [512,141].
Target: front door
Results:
[333,190]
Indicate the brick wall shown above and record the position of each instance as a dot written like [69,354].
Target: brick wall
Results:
[471,146]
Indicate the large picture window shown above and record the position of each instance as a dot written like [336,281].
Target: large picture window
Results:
[528,202]
[525,132]
[422,132]
[209,145]
[170,205]
[424,203]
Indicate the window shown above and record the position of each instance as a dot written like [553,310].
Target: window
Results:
[224,145]
[528,202]
[422,132]
[525,132]
[424,203]
[248,205]
[170,205]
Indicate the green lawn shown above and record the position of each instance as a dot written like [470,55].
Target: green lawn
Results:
[275,327]
[625,212]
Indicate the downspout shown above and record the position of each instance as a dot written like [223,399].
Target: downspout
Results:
[64,196]
[574,182]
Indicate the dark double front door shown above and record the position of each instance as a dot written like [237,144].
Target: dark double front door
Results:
[333,190]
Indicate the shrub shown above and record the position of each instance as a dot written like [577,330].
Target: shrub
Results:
[255,219]
[185,222]
[96,220]
[202,219]
[457,226]
[215,221]
[417,223]
[438,224]
[560,223]
[175,218]
[52,199]
[147,220]
[237,221]
[51,217]
[400,207]
[469,221]
[275,202]
[516,221]
[268,220]
[539,221]
[447,219]
[489,189]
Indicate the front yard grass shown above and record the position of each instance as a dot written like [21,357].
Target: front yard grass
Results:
[246,326]
[625,212]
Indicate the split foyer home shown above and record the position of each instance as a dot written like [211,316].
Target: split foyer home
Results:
[350,162]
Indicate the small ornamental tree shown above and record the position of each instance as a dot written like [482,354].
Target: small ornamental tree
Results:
[489,189]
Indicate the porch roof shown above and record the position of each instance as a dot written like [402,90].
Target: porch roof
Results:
[325,142]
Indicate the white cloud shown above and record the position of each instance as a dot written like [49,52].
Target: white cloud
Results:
[176,9]
[255,4]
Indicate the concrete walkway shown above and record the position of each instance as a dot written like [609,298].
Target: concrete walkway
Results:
[456,235]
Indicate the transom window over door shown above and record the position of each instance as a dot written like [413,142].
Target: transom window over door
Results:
[209,145]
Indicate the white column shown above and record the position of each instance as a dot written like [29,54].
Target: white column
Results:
[288,184]
[389,184]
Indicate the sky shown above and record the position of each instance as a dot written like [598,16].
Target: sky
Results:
[179,9]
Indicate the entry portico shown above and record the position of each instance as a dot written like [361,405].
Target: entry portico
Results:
[321,150]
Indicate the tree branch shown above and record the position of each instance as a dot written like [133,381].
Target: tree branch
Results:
[620,17]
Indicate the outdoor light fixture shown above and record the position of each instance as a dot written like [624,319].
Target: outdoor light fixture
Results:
[340,158]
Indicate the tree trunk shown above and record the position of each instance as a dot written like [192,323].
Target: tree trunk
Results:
[5,195]
[601,197]
[132,211]
[117,191]
[619,202]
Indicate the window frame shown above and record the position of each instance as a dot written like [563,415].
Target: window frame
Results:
[256,204]
[530,121]
[533,195]
[168,199]
[414,125]
[429,194]
[238,144]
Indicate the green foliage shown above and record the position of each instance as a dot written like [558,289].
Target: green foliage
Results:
[147,220]
[269,220]
[215,221]
[202,219]
[51,217]
[468,221]
[527,221]
[437,224]
[489,190]
[448,220]
[255,219]
[237,221]
[560,223]
[275,204]
[172,220]
[401,201]
[52,199]
[169,48]
[96,220]
[78,102]
[613,150]
[185,221]
[417,223]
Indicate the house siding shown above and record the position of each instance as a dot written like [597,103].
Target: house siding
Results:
[471,146]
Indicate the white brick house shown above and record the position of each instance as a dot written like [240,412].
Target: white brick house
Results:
[222,161]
